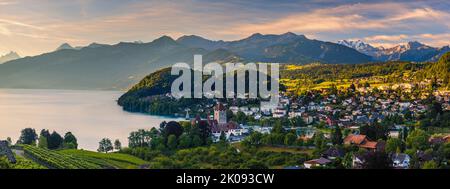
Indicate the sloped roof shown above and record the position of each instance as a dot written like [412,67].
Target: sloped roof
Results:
[369,144]
[355,139]
[334,152]
[321,161]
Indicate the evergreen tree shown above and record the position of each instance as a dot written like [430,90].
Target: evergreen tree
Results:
[55,141]
[172,142]
[70,141]
[223,137]
[28,136]
[336,137]
[117,145]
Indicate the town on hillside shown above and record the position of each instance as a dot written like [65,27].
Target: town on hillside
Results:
[368,120]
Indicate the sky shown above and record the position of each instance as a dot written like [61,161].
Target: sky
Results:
[32,27]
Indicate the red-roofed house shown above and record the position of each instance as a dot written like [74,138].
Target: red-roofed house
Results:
[362,142]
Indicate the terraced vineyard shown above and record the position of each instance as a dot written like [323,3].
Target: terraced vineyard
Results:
[23,163]
[57,160]
[109,160]
[81,159]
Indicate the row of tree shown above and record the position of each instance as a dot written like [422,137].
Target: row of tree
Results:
[48,140]
[105,145]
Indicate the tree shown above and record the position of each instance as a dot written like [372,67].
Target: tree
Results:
[9,141]
[158,143]
[319,143]
[43,138]
[336,137]
[172,142]
[436,109]
[289,139]
[105,145]
[223,137]
[393,144]
[70,141]
[45,133]
[278,128]
[203,131]
[375,132]
[297,122]
[417,139]
[347,161]
[255,139]
[28,136]
[4,163]
[430,165]
[141,138]
[241,117]
[117,145]
[43,142]
[162,125]
[55,141]
[173,128]
[185,141]
[376,160]
[230,115]
[254,164]
[197,141]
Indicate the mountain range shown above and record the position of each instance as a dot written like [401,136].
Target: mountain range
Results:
[119,66]
[8,57]
[412,51]
[284,48]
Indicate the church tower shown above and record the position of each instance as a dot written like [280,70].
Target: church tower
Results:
[220,113]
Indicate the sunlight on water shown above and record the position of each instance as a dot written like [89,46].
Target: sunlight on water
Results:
[90,115]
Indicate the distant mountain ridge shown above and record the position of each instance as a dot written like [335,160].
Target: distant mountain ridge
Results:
[412,51]
[284,48]
[103,67]
[8,57]
[119,66]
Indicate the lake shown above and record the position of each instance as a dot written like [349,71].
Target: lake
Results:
[89,115]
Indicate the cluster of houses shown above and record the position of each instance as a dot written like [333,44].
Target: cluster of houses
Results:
[350,113]
[362,108]
[234,133]
[400,160]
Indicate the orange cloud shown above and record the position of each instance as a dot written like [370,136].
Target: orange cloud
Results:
[346,18]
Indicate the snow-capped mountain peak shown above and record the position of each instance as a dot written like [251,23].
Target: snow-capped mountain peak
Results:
[8,57]
[360,46]
[411,51]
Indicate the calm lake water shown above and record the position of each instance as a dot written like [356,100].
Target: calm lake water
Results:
[89,115]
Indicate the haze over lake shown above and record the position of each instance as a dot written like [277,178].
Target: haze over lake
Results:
[89,115]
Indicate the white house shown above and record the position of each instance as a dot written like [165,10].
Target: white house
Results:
[316,163]
[401,161]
